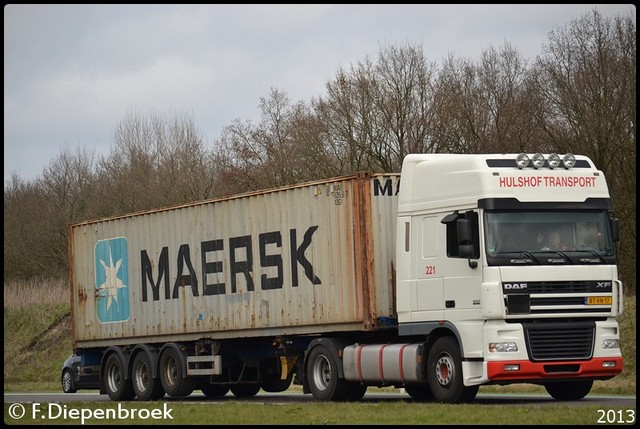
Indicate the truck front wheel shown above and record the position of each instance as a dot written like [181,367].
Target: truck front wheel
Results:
[444,372]
[570,390]
[171,375]
[116,384]
[419,392]
[323,377]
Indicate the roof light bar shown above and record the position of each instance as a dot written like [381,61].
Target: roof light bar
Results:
[538,160]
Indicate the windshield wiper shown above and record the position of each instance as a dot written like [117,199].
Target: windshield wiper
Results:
[530,255]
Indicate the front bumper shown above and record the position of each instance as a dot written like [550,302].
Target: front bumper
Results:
[596,368]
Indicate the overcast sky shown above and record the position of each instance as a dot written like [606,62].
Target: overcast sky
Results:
[72,72]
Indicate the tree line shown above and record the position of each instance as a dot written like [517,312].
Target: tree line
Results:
[578,95]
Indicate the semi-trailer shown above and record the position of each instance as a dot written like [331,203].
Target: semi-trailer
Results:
[437,280]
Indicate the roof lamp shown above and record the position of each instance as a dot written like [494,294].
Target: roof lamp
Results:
[522,160]
[554,160]
[537,160]
[568,160]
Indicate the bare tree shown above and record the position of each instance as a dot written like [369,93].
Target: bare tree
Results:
[156,161]
[69,185]
[485,107]
[404,102]
[375,114]
[23,247]
[272,153]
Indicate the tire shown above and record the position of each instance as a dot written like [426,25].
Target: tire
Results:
[419,392]
[355,391]
[173,381]
[570,390]
[66,380]
[271,381]
[214,390]
[245,390]
[145,386]
[444,373]
[116,384]
[322,375]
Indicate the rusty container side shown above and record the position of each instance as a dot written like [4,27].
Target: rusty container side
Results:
[305,259]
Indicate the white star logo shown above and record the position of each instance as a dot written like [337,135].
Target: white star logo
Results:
[111,282]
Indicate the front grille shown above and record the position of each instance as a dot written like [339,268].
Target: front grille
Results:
[557,297]
[559,341]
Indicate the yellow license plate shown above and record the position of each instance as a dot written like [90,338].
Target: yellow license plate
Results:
[599,300]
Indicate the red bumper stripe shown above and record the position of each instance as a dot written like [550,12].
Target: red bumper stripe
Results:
[556,369]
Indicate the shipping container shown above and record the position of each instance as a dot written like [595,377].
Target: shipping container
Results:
[312,258]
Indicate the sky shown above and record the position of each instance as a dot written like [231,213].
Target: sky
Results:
[72,72]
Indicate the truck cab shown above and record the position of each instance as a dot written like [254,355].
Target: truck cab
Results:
[476,262]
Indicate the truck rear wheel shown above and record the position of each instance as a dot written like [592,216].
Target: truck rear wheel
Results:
[172,378]
[144,385]
[116,384]
[322,375]
[444,372]
[570,390]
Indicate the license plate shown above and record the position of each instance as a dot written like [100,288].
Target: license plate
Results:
[599,300]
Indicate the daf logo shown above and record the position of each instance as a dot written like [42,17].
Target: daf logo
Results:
[604,284]
[515,286]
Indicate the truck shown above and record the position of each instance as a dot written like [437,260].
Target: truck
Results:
[436,280]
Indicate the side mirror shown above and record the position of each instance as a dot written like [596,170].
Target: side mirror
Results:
[615,229]
[466,246]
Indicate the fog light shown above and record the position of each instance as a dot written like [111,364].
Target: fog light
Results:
[609,364]
[512,367]
[502,347]
[611,343]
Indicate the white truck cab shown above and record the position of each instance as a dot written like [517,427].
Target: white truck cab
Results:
[476,256]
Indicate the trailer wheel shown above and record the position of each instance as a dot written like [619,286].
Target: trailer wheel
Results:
[271,381]
[419,392]
[116,384]
[214,390]
[171,375]
[444,372]
[322,375]
[245,390]
[144,385]
[570,390]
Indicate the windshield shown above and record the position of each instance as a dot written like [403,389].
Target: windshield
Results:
[564,232]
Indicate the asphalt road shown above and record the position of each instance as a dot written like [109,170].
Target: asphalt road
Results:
[605,402]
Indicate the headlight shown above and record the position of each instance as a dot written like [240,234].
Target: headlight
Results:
[502,347]
[611,344]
